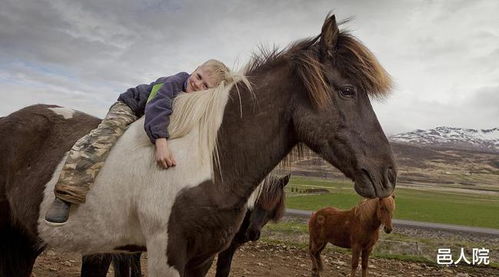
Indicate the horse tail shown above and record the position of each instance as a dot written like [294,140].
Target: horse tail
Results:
[316,224]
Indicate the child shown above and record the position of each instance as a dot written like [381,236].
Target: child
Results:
[87,156]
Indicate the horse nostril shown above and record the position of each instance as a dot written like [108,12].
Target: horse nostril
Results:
[391,174]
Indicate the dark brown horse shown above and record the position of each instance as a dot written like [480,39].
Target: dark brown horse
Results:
[268,206]
[314,92]
[357,229]
[265,204]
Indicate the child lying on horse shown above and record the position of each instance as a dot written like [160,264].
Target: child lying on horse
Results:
[87,156]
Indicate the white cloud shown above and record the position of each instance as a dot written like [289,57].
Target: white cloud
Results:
[442,54]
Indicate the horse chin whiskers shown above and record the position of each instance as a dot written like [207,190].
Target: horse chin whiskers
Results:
[363,183]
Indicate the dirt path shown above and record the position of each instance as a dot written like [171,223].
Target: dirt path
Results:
[279,260]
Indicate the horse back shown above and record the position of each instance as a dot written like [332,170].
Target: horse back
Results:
[33,141]
[332,225]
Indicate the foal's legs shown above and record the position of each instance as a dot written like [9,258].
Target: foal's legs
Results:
[315,248]
[95,265]
[365,258]
[225,259]
[356,249]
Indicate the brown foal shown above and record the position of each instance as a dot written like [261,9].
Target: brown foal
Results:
[356,228]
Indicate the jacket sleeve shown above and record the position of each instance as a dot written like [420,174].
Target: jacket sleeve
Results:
[134,98]
[159,108]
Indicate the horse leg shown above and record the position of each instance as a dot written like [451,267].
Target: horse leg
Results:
[121,265]
[315,248]
[136,269]
[95,265]
[356,249]
[127,265]
[164,263]
[365,258]
[225,259]
[17,253]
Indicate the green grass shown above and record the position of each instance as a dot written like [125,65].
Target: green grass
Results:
[288,227]
[407,258]
[430,206]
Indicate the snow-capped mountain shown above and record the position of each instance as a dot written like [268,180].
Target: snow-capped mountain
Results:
[483,140]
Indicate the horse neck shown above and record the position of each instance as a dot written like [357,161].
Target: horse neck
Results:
[255,134]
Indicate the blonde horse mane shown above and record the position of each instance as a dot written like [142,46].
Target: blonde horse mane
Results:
[364,211]
[367,208]
[204,110]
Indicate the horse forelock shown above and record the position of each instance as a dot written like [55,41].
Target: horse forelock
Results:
[389,203]
[358,63]
[366,210]
[352,58]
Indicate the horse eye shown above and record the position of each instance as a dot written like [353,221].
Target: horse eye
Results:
[347,91]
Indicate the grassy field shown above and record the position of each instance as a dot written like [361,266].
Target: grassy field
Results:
[397,245]
[431,206]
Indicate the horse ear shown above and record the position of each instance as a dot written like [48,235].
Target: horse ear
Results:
[393,195]
[329,35]
[284,180]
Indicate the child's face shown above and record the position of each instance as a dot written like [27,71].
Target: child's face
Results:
[201,79]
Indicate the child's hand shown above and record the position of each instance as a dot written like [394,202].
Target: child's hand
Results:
[164,157]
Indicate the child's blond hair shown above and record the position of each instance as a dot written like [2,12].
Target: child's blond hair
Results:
[219,70]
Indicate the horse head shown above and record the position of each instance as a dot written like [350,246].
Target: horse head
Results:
[335,117]
[384,212]
[269,205]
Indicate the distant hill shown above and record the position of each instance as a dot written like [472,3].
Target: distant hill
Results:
[456,138]
[425,165]
[460,168]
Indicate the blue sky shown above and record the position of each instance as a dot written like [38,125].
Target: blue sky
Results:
[443,55]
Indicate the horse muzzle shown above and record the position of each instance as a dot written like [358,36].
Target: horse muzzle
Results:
[253,235]
[388,230]
[370,185]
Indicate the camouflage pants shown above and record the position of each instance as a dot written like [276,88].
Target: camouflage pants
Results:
[88,154]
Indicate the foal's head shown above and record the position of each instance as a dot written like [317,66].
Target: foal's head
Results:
[384,212]
[269,205]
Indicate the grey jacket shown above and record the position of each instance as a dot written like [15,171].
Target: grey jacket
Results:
[155,101]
